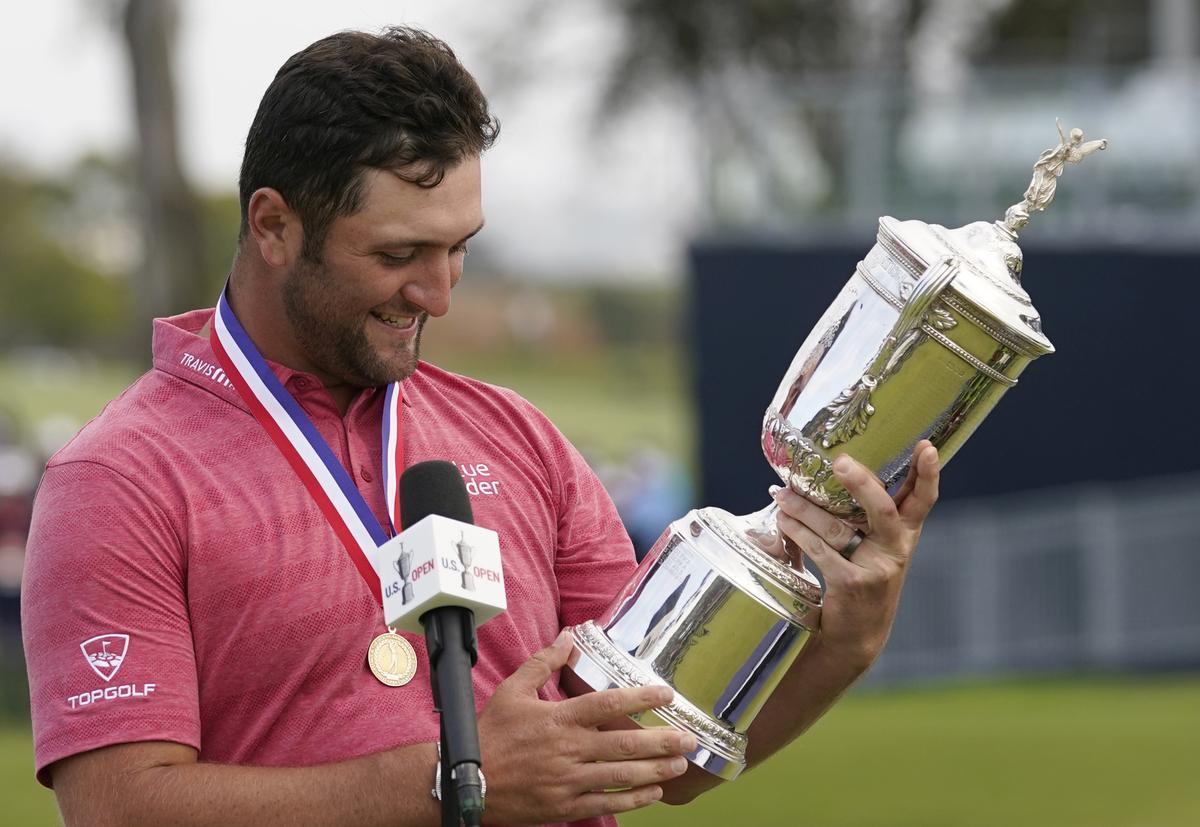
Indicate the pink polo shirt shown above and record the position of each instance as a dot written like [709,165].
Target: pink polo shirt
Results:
[181,585]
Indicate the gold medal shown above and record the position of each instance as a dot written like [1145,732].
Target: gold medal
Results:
[392,659]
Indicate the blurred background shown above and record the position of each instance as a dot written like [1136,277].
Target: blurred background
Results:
[679,191]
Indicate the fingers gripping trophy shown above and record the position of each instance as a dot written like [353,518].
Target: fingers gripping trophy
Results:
[930,331]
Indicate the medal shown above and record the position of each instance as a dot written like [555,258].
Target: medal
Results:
[392,659]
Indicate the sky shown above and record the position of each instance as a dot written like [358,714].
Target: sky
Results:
[560,204]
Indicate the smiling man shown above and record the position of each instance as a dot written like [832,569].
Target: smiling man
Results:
[197,626]
[352,313]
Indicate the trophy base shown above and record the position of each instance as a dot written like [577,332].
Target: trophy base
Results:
[599,665]
[711,615]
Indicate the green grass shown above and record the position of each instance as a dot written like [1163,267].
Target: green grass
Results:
[25,802]
[1112,753]
[36,392]
[607,401]
[1068,753]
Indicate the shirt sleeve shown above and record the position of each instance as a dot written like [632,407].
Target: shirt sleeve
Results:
[104,614]
[595,556]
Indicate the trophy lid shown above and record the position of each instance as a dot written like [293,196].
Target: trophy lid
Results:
[990,272]
[988,278]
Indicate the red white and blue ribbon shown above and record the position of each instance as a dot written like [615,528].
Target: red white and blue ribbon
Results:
[289,427]
[393,452]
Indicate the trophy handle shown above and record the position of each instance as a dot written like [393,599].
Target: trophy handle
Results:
[847,415]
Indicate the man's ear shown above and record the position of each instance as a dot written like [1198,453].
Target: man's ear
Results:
[274,227]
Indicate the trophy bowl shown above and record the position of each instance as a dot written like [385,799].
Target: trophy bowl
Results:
[907,351]
[930,331]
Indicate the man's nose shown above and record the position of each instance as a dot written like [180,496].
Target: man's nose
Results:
[430,289]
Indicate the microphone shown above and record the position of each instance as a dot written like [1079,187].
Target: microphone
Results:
[442,575]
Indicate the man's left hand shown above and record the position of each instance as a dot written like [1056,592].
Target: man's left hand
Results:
[862,590]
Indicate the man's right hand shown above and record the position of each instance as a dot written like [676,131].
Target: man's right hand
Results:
[551,761]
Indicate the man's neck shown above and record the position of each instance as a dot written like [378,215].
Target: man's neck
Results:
[266,327]
[343,395]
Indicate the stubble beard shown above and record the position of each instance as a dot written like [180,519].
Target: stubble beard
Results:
[337,345]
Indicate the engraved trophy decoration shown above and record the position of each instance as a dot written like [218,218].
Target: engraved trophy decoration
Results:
[927,335]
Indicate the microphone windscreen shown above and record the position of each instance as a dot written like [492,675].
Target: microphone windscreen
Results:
[433,487]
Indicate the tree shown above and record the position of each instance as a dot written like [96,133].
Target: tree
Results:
[49,295]
[170,277]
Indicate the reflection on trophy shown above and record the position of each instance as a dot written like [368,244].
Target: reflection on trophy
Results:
[929,332]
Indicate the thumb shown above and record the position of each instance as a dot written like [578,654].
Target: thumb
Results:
[533,673]
[767,536]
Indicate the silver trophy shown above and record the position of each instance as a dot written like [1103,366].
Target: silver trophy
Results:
[927,335]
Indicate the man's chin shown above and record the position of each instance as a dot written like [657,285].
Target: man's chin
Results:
[387,363]
[390,370]
[406,371]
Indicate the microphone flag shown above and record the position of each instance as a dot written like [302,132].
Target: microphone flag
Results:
[440,562]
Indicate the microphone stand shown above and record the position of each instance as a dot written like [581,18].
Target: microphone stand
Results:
[450,641]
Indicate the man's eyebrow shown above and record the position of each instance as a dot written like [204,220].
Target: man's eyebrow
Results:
[404,242]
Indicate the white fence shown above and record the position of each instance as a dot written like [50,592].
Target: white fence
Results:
[1094,577]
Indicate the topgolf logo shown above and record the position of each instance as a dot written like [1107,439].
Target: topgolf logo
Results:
[105,654]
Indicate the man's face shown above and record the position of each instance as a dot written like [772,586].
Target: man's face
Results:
[359,312]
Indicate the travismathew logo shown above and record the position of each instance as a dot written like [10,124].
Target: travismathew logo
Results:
[204,368]
[105,654]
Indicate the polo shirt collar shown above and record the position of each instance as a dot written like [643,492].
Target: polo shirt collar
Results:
[181,351]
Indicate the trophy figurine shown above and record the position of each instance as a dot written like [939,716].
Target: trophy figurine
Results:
[403,567]
[929,332]
[465,555]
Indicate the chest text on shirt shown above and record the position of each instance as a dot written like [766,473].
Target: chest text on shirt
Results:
[479,478]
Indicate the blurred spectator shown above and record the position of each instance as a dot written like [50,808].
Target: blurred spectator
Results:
[12,558]
[650,489]
[18,475]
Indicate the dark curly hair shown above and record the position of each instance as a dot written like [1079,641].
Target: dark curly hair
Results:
[399,100]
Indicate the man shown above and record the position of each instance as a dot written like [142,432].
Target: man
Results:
[195,630]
